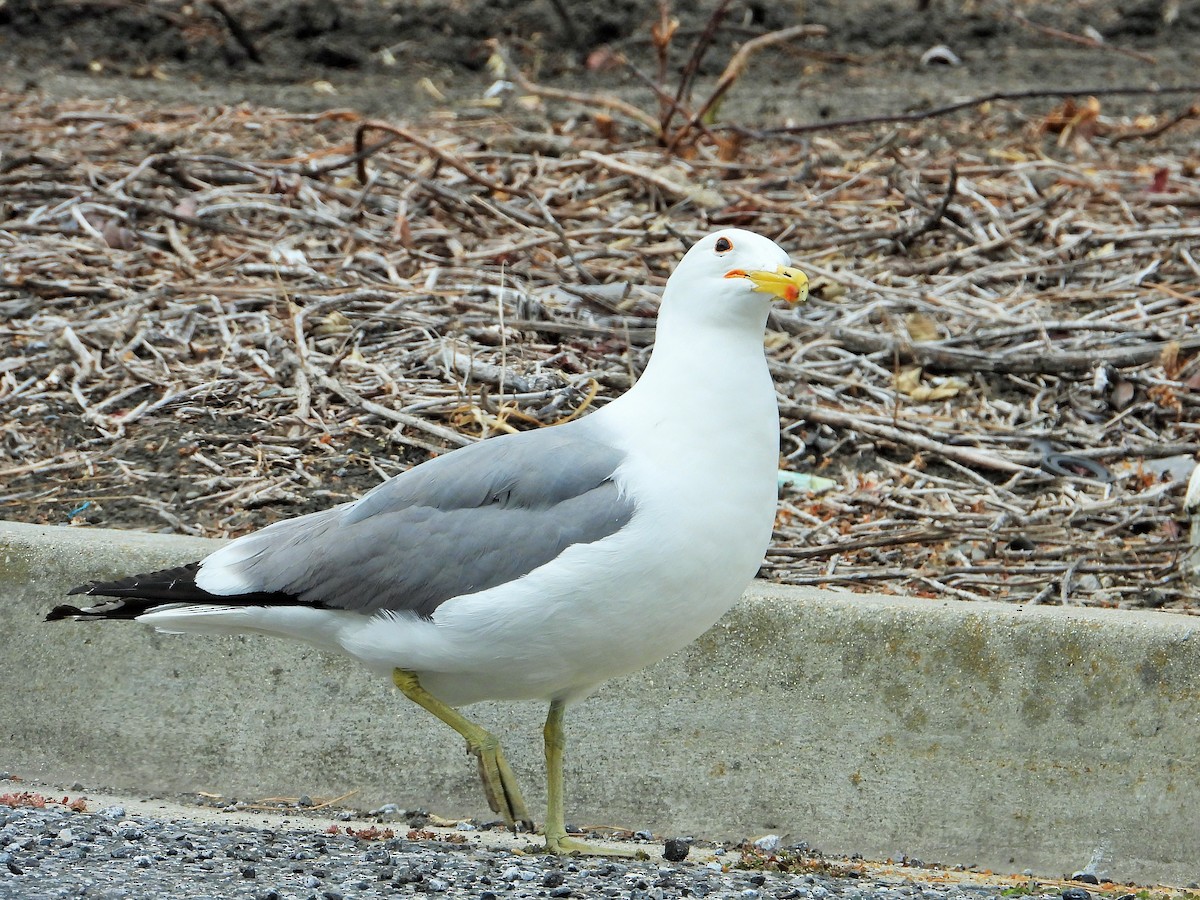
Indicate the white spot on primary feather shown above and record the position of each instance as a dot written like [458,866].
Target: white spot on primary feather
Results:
[218,573]
[224,572]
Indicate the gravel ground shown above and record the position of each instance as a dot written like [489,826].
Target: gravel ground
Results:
[113,851]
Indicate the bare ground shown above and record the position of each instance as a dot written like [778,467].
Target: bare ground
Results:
[210,321]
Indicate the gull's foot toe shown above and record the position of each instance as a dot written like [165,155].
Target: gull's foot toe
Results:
[500,785]
[565,846]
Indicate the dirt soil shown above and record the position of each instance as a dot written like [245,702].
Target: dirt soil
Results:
[208,321]
[402,59]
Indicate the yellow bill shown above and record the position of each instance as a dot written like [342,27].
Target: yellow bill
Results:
[785,282]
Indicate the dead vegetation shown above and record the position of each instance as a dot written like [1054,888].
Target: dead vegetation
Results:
[212,318]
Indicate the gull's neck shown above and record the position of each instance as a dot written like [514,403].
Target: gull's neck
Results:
[693,354]
[705,369]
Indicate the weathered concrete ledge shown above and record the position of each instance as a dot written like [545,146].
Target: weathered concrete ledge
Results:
[984,734]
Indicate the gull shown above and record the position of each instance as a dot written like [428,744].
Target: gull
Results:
[534,565]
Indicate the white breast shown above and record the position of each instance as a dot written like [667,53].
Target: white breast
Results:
[705,508]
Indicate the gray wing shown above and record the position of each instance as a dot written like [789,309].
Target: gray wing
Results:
[472,519]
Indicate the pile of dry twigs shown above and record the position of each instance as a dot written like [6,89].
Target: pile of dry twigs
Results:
[212,318]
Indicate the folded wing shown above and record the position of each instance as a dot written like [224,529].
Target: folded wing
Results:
[461,523]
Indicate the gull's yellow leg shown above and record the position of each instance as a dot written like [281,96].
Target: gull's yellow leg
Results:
[499,782]
[556,828]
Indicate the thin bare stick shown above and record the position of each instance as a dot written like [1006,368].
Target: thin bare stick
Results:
[602,101]
[448,435]
[968,456]
[428,146]
[240,34]
[736,65]
[931,222]
[683,94]
[934,112]
[1082,39]
[661,33]
[1192,112]
[1035,361]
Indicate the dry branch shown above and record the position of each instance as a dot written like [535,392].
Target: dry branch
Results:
[448,435]
[968,456]
[428,146]
[734,69]
[958,106]
[592,101]
[1020,361]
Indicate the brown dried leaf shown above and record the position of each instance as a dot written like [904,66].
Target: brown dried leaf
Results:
[909,383]
[23,798]
[921,327]
[663,30]
[1169,359]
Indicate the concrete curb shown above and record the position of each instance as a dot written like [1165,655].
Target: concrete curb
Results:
[985,734]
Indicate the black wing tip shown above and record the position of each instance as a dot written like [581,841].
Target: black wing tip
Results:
[64,611]
[167,585]
[138,594]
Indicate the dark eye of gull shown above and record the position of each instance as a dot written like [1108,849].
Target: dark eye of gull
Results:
[723,245]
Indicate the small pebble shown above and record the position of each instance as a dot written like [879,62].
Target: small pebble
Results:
[769,843]
[1085,877]
[1074,893]
[676,849]
[129,831]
